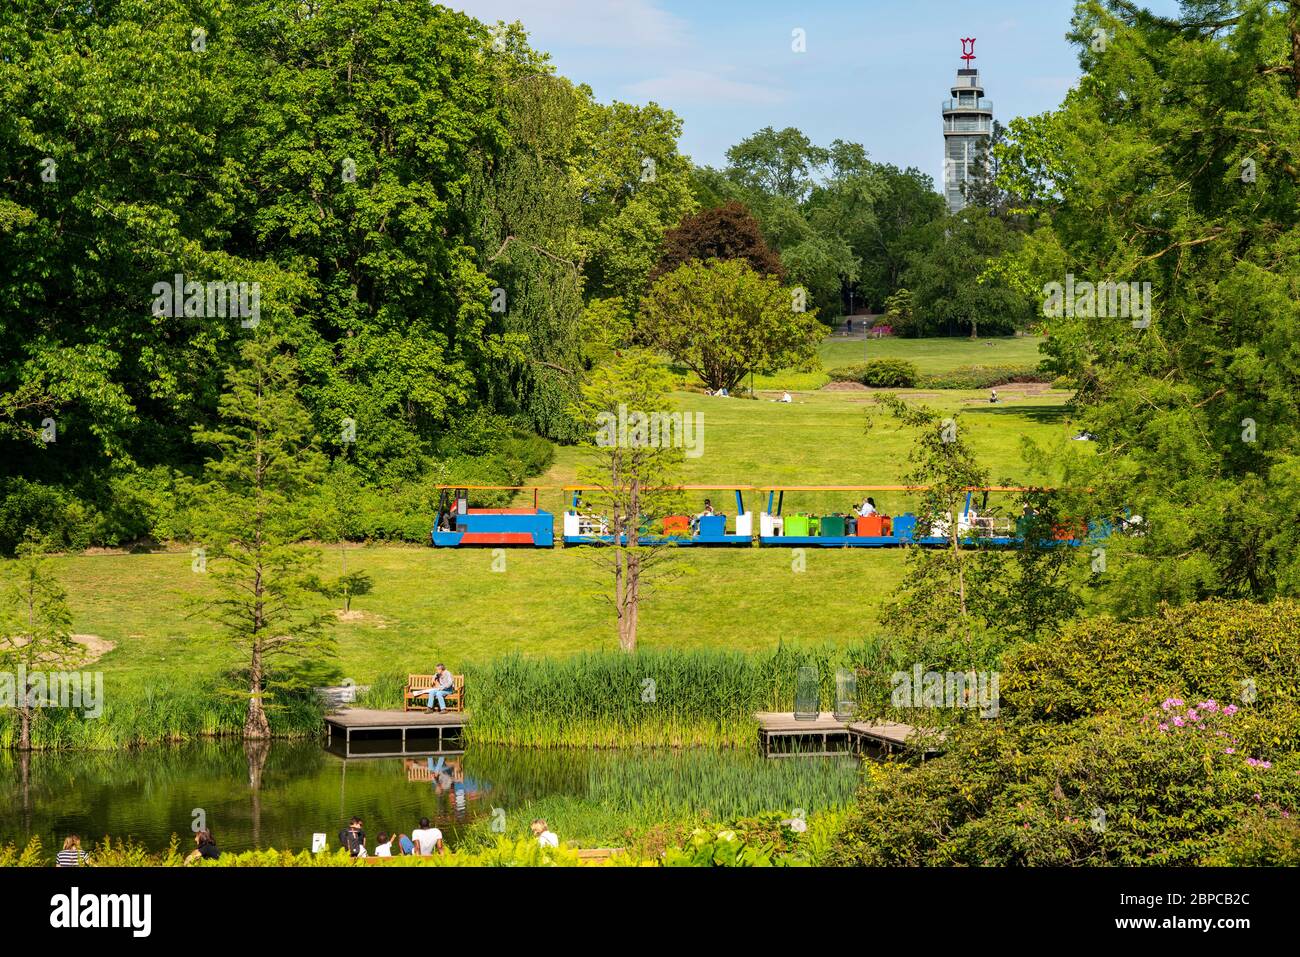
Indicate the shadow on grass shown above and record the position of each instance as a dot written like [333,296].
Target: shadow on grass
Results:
[1043,414]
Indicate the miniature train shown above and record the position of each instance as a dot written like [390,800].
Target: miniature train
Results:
[461,525]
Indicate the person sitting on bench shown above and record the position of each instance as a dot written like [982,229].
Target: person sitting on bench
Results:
[868,507]
[442,685]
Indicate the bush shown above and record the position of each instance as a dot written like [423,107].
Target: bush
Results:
[1105,790]
[54,512]
[879,374]
[1229,651]
[980,377]
[1261,840]
[1086,764]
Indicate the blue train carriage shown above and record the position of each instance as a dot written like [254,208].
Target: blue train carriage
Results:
[835,530]
[583,526]
[460,524]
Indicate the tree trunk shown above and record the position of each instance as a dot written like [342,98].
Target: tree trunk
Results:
[627,634]
[256,727]
[1293,27]
[631,597]
[25,724]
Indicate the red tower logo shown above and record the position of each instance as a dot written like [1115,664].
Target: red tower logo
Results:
[968,49]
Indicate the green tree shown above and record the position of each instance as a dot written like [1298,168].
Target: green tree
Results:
[944,265]
[252,518]
[1196,411]
[631,477]
[722,320]
[904,201]
[36,634]
[900,313]
[935,596]
[635,186]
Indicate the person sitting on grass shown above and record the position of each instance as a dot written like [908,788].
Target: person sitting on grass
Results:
[442,685]
[72,855]
[353,837]
[427,838]
[545,836]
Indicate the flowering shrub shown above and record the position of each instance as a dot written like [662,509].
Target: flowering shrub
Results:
[1208,718]
[1145,742]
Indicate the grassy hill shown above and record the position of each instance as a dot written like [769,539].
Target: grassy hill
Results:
[451,605]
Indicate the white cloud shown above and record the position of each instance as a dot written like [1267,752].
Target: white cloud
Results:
[685,85]
[610,24]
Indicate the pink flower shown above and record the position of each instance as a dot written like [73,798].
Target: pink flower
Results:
[1230,710]
[1179,722]
[1164,727]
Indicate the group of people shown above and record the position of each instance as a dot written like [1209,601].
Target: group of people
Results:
[425,841]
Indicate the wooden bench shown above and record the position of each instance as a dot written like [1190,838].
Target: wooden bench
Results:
[419,686]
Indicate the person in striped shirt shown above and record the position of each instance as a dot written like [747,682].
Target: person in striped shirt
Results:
[72,855]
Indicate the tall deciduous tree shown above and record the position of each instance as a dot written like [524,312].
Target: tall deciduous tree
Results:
[1176,162]
[251,518]
[631,473]
[722,320]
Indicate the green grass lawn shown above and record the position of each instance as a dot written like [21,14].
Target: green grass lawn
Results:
[449,604]
[932,356]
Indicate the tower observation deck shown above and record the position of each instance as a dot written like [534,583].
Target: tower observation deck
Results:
[967,126]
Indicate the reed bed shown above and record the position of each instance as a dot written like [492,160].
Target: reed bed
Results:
[173,709]
[674,699]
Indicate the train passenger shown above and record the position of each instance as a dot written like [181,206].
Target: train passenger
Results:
[868,507]
[708,510]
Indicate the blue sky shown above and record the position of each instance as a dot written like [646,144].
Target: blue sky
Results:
[874,71]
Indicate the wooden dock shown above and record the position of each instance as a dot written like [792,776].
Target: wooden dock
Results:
[782,735]
[371,729]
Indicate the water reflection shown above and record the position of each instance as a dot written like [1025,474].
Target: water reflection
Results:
[277,794]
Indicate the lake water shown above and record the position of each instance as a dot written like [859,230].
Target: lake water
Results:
[278,795]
